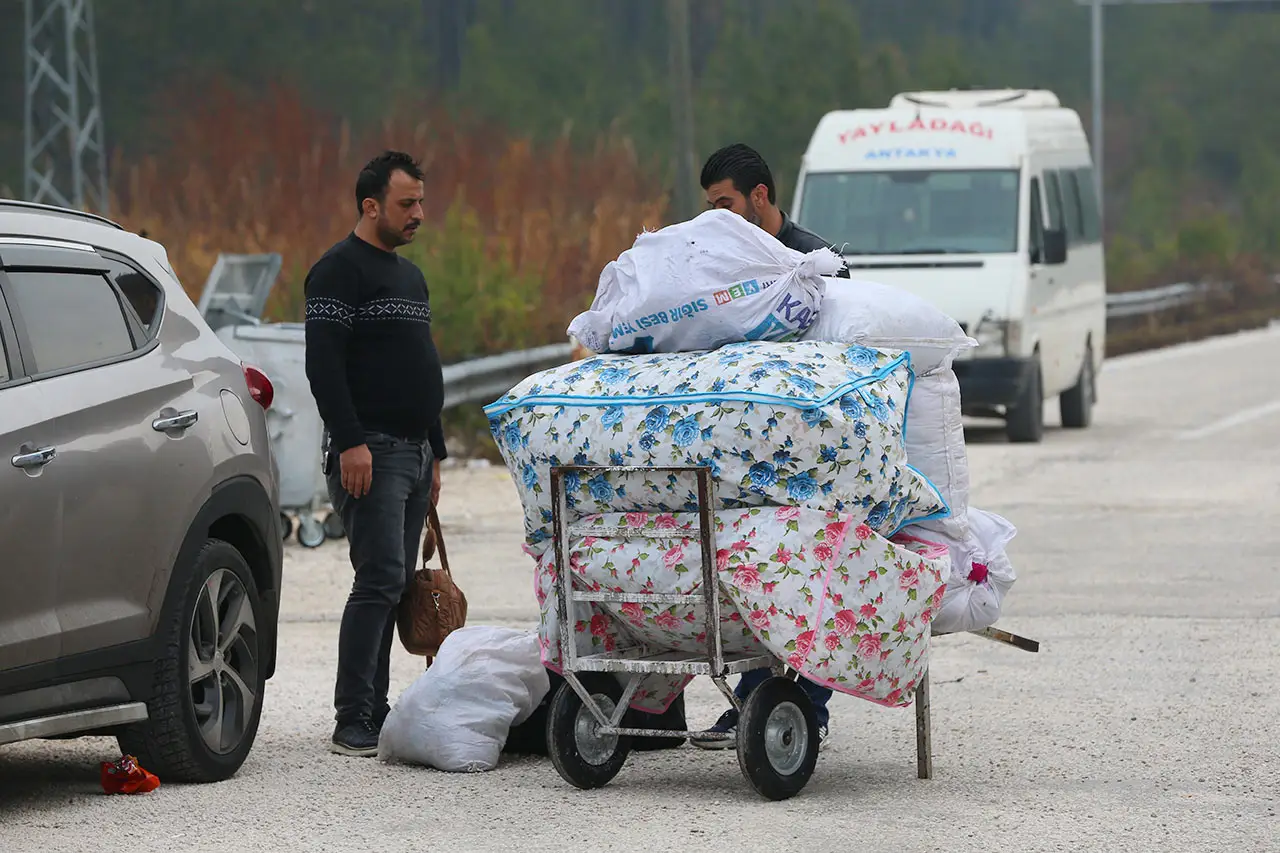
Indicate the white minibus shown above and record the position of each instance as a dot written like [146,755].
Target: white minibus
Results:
[983,203]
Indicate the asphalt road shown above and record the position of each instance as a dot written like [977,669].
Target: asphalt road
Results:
[1147,554]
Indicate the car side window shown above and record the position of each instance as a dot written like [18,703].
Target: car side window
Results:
[5,374]
[71,318]
[140,292]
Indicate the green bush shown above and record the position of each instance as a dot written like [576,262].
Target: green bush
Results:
[1207,243]
[1128,266]
[479,305]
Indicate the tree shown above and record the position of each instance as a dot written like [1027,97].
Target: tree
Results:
[770,90]
[548,67]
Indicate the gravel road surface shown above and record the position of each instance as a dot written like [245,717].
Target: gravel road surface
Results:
[1150,720]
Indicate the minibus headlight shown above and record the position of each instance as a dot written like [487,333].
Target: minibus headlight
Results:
[997,338]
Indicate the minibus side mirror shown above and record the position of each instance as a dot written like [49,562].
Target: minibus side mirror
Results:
[1055,246]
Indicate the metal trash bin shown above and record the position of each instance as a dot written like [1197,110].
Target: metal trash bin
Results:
[293,422]
[232,302]
[237,288]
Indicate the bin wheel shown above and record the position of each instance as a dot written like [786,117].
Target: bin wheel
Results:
[333,526]
[310,532]
[778,739]
[286,526]
[583,757]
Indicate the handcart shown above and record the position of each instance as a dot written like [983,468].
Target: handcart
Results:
[777,733]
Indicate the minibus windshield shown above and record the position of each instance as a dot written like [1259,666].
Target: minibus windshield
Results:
[914,212]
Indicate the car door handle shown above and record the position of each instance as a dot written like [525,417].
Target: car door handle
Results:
[34,458]
[175,420]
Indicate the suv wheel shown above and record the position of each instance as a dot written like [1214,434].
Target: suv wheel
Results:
[207,696]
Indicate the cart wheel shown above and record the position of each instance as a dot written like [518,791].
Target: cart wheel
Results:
[778,739]
[286,526]
[333,526]
[310,532]
[584,757]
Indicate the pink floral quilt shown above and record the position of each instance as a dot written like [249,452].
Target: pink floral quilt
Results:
[817,589]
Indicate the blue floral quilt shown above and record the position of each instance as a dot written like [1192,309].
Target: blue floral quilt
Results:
[809,424]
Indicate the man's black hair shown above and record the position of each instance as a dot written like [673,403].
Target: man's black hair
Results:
[375,177]
[741,164]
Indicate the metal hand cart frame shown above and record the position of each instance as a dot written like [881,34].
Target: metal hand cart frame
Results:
[777,735]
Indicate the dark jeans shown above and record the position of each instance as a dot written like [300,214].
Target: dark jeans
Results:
[818,694]
[384,532]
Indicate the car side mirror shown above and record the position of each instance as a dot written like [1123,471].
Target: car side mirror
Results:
[1055,246]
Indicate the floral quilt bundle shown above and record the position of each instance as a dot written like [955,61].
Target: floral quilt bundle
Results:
[809,424]
[805,442]
[818,590]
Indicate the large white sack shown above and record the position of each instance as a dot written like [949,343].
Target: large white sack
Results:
[935,446]
[877,315]
[807,424]
[457,714]
[697,285]
[981,574]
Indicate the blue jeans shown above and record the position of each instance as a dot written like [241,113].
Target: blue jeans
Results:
[384,529]
[818,694]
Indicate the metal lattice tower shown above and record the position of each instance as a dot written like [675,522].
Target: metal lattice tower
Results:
[65,159]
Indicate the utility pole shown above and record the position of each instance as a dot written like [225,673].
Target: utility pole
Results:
[681,78]
[1095,15]
[65,161]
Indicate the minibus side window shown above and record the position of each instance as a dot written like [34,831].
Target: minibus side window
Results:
[1071,208]
[1089,205]
[1053,195]
[1035,211]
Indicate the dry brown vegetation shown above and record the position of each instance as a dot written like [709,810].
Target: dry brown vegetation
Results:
[517,236]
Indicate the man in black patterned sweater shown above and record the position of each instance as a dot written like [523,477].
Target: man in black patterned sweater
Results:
[376,378]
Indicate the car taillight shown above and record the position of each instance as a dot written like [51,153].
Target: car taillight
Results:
[260,388]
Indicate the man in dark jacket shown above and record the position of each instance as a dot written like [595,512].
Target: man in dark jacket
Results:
[378,383]
[737,178]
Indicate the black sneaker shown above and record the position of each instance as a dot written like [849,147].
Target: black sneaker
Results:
[359,739]
[822,737]
[728,724]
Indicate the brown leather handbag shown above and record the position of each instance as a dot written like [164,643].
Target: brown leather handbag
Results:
[433,605]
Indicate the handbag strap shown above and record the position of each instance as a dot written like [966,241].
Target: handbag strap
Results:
[434,520]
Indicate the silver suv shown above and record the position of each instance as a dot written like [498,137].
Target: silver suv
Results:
[140,541]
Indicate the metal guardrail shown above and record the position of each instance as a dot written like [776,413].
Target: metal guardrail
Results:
[237,289]
[1139,302]
[483,380]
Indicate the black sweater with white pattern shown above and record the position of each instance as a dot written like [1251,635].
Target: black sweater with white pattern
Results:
[371,361]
